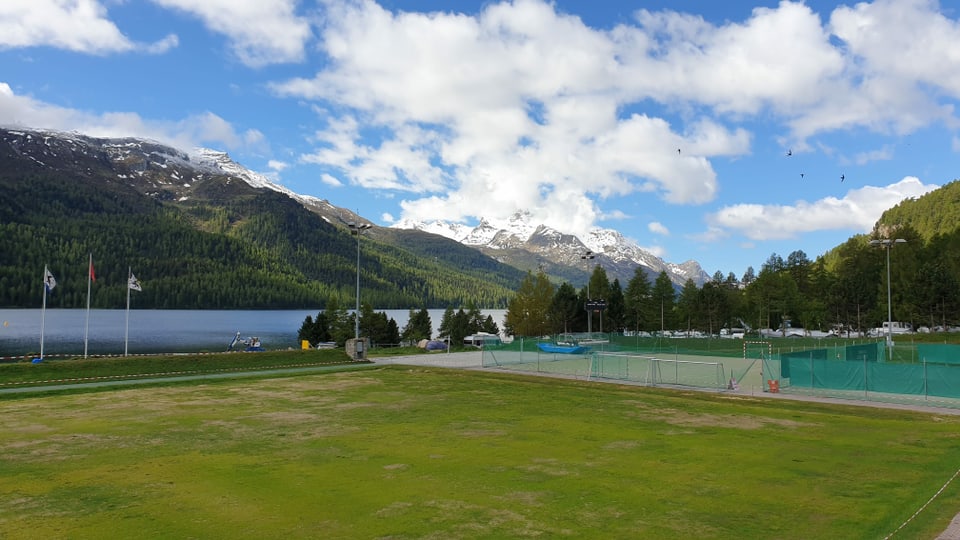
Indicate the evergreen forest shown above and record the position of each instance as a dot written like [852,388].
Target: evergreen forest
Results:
[228,246]
[843,290]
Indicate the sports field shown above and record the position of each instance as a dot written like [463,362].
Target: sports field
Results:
[419,452]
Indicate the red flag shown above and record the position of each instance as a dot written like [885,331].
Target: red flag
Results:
[93,276]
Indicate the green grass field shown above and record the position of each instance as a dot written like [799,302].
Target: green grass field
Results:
[404,452]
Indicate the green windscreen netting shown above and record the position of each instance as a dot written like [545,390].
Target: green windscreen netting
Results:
[862,371]
[938,353]
[864,368]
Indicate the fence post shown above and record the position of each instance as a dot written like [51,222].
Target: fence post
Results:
[864,376]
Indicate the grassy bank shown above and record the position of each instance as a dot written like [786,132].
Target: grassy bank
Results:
[401,452]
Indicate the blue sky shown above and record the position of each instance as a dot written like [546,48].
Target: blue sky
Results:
[670,122]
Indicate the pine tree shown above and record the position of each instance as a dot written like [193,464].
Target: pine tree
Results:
[528,312]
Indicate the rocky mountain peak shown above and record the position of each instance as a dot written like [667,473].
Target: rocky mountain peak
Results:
[526,245]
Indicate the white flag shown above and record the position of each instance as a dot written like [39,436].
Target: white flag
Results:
[48,281]
[133,283]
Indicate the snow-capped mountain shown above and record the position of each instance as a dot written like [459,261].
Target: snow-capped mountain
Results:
[165,173]
[218,162]
[520,242]
[161,171]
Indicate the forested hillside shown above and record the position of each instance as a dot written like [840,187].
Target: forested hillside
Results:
[227,245]
[935,214]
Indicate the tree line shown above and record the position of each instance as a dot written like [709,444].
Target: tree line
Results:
[336,325]
[844,290]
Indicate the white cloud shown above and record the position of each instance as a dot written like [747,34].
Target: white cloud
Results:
[881,154]
[658,228]
[902,69]
[902,40]
[523,107]
[331,181]
[858,211]
[516,108]
[260,32]
[75,25]
[80,25]
[162,46]
[779,58]
[895,62]
[206,129]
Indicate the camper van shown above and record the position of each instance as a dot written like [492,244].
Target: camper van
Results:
[896,327]
[481,339]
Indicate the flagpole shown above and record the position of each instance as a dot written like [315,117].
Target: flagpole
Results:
[43,312]
[126,332]
[86,328]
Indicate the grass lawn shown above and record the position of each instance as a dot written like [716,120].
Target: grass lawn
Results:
[401,452]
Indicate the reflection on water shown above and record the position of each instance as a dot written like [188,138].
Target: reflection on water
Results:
[161,330]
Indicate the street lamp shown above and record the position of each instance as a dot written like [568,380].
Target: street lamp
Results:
[588,256]
[887,243]
[661,313]
[357,229]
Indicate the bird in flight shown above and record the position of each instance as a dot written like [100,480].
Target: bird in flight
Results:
[842,177]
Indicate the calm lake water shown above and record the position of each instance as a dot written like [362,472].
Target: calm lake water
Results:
[162,330]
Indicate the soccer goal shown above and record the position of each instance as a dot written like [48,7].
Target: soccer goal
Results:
[652,371]
[755,354]
[762,366]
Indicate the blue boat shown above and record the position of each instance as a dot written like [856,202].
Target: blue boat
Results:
[559,348]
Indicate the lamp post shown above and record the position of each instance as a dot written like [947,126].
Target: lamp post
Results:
[357,229]
[588,256]
[887,243]
[661,313]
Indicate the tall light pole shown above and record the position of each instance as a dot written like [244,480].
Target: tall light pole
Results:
[588,256]
[357,229]
[661,313]
[887,243]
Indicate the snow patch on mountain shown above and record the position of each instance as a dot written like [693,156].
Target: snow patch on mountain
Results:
[519,232]
[218,162]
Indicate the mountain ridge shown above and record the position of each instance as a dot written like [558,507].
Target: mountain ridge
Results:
[174,175]
[200,236]
[509,239]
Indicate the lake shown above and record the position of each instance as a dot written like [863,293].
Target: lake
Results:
[153,331]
